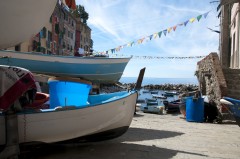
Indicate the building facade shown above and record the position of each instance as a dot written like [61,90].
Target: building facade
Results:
[229,37]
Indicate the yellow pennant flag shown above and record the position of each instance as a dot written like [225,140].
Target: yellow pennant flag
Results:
[169,29]
[155,35]
[139,41]
[192,20]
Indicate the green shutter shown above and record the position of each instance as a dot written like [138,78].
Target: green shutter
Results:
[57,28]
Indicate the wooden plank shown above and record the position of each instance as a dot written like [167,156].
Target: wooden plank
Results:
[140,78]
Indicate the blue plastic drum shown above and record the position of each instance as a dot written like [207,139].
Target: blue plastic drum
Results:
[194,109]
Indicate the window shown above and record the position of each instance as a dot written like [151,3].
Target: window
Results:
[49,36]
[64,45]
[44,32]
[57,28]
[69,34]
[17,48]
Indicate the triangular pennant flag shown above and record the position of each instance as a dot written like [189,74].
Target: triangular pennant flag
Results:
[155,35]
[185,23]
[132,43]
[192,20]
[181,24]
[159,34]
[150,37]
[139,41]
[199,17]
[165,32]
[113,51]
[169,29]
[175,27]
[205,15]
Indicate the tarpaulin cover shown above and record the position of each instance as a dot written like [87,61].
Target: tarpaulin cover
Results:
[14,82]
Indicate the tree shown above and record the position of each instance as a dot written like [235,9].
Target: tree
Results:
[80,13]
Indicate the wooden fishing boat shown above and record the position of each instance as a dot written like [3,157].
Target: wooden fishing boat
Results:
[72,114]
[172,106]
[159,96]
[152,107]
[97,70]
[233,105]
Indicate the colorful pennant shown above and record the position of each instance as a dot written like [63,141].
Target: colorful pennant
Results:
[158,34]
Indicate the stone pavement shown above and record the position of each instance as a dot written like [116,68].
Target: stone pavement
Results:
[152,136]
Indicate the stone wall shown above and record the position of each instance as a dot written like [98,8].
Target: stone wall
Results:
[211,78]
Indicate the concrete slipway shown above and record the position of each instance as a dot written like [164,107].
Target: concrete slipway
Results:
[154,136]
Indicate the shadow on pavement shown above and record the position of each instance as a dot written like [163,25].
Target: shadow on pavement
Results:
[107,149]
[140,134]
[104,150]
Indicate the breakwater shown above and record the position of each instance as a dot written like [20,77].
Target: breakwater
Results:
[181,88]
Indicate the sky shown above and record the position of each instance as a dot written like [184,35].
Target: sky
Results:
[118,22]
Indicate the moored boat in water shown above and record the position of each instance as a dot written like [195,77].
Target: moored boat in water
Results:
[159,96]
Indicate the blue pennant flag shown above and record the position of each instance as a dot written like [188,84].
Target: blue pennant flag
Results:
[150,37]
[165,32]
[205,15]
[113,51]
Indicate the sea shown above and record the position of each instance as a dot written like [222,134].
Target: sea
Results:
[158,81]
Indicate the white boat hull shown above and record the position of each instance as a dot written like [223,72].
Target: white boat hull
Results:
[20,20]
[65,125]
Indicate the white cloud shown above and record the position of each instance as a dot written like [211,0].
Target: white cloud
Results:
[118,22]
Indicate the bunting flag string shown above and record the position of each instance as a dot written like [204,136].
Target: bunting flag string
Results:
[154,35]
[169,57]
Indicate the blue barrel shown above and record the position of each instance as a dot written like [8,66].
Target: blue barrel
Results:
[67,93]
[195,109]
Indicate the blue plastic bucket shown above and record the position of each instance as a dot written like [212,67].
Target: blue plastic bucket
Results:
[194,109]
[68,93]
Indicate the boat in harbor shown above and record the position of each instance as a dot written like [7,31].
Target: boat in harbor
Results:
[172,106]
[72,114]
[97,70]
[152,107]
[159,96]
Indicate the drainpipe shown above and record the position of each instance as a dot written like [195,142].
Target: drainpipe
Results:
[238,25]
